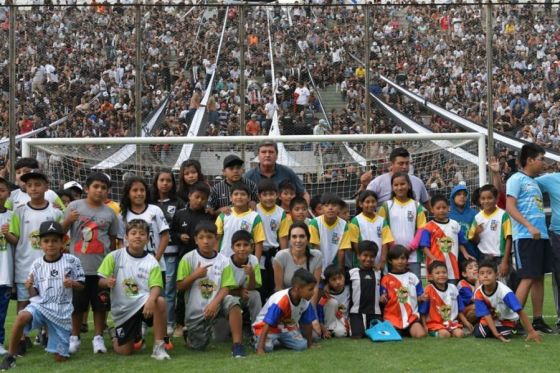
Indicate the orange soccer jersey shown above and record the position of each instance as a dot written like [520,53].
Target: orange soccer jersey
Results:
[442,307]
[443,240]
[402,291]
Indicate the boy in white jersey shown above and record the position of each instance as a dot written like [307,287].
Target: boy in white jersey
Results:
[247,273]
[207,278]
[334,304]
[498,308]
[491,229]
[25,226]
[284,313]
[6,258]
[329,233]
[50,282]
[241,217]
[19,196]
[135,280]
[275,225]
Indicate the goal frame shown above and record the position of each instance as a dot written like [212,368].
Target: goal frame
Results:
[29,143]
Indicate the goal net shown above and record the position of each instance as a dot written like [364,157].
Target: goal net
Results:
[326,164]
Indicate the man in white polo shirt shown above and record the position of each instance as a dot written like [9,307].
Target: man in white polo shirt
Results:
[400,162]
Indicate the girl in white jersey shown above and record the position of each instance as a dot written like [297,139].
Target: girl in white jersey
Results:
[134,205]
[404,216]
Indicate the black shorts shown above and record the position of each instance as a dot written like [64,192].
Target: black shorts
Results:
[406,331]
[555,251]
[99,299]
[483,331]
[532,257]
[131,329]
[359,323]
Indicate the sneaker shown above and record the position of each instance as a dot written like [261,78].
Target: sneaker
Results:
[74,344]
[159,352]
[21,348]
[84,328]
[9,362]
[99,345]
[3,351]
[237,350]
[541,326]
[167,344]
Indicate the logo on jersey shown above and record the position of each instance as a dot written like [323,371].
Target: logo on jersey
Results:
[3,243]
[54,273]
[245,226]
[273,225]
[335,238]
[130,287]
[402,294]
[409,216]
[171,210]
[207,288]
[35,240]
[445,244]
[493,225]
[445,312]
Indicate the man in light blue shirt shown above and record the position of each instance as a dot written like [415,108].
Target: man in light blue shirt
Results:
[550,183]
[530,237]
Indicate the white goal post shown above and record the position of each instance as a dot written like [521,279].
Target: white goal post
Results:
[449,145]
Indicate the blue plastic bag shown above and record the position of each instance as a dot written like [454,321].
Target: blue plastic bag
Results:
[382,331]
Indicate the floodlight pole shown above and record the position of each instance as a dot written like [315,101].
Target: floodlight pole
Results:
[367,126]
[12,92]
[138,83]
[242,41]
[489,73]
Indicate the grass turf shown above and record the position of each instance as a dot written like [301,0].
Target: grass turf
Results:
[429,354]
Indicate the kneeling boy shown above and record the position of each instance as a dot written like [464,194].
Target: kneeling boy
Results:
[280,318]
[135,280]
[50,285]
[498,307]
[206,277]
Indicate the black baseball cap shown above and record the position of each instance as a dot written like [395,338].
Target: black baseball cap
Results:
[34,174]
[50,227]
[232,160]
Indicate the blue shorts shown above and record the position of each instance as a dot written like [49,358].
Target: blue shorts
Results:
[22,292]
[59,338]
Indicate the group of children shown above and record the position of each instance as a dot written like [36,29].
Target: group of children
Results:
[168,258]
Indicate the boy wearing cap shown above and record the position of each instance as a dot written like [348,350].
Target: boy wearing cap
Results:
[74,188]
[24,226]
[93,231]
[219,200]
[50,283]
[19,196]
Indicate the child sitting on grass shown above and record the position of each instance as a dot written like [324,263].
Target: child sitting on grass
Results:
[284,313]
[135,280]
[498,307]
[332,308]
[443,305]
[401,291]
[50,283]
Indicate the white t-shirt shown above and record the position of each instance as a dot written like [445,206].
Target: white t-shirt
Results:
[158,225]
[303,95]
[135,276]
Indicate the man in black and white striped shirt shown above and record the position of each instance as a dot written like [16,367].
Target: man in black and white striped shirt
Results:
[50,283]
[219,200]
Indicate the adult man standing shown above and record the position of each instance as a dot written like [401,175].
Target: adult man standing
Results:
[269,169]
[400,162]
